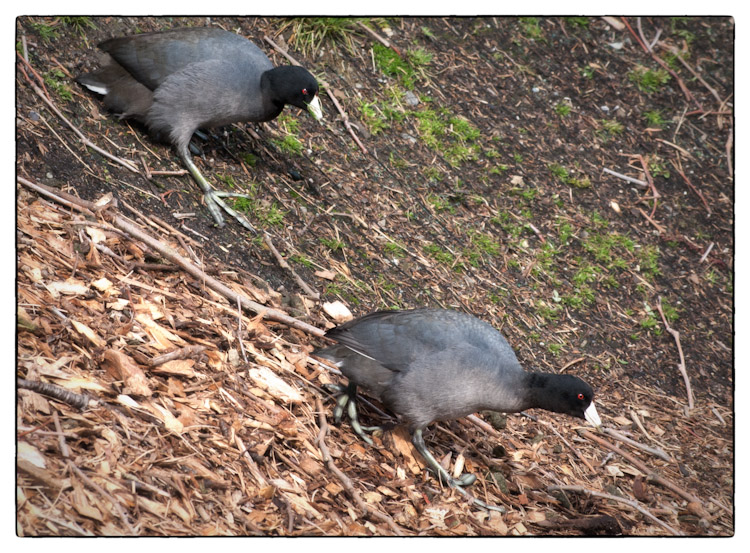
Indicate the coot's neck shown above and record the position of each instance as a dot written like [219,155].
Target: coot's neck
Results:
[540,391]
[273,104]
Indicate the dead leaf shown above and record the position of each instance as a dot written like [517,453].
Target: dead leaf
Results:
[29,453]
[70,287]
[337,311]
[328,275]
[640,489]
[122,367]
[97,235]
[267,380]
[81,504]
[178,367]
[88,333]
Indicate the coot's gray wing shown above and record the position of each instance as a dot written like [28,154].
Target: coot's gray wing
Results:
[152,57]
[397,338]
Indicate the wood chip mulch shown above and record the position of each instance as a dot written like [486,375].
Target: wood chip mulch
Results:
[147,405]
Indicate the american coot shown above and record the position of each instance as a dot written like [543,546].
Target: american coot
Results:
[180,80]
[434,364]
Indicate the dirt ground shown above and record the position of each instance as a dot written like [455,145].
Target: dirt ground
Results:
[481,184]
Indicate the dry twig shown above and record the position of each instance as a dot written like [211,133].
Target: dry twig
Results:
[137,233]
[681,366]
[631,180]
[664,65]
[650,474]
[284,265]
[343,478]
[634,504]
[652,450]
[385,42]
[78,133]
[55,392]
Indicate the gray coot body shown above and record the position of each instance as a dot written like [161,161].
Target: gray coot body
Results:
[180,80]
[435,364]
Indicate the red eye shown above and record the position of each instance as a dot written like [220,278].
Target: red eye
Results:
[304,92]
[580,396]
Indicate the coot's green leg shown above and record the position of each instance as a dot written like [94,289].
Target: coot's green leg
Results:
[347,400]
[212,197]
[443,475]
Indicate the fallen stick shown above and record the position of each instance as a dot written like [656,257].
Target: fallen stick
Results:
[120,222]
[80,135]
[343,478]
[650,474]
[631,180]
[55,392]
[652,450]
[664,65]
[650,181]
[729,145]
[673,49]
[285,265]
[681,365]
[385,42]
[634,504]
[708,251]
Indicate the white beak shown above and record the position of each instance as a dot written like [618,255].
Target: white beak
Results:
[315,108]
[592,416]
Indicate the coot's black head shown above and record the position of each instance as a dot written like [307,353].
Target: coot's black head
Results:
[296,86]
[564,393]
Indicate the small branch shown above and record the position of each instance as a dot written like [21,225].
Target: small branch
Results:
[170,254]
[676,147]
[251,464]
[379,38]
[681,365]
[650,474]
[64,449]
[345,119]
[536,231]
[631,180]
[634,504]
[343,478]
[80,135]
[55,392]
[729,145]
[182,353]
[650,181]
[649,45]
[708,251]
[109,497]
[666,67]
[284,265]
[676,52]
[653,451]
[570,446]
[239,330]
[657,226]
[613,22]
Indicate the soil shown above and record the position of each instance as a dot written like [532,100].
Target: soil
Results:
[515,220]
